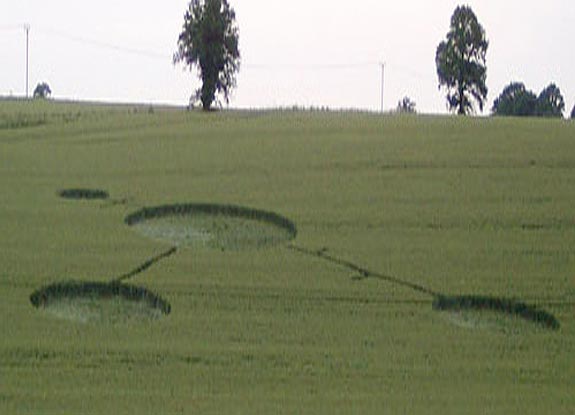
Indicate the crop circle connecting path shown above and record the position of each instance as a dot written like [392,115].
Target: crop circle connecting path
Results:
[234,228]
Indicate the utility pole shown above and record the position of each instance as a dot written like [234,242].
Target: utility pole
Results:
[382,83]
[27,29]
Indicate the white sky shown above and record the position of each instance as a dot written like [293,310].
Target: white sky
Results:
[305,52]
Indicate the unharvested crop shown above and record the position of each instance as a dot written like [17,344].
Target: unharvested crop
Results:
[408,208]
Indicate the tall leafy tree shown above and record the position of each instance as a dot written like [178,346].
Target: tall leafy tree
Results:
[550,102]
[209,41]
[460,61]
[515,100]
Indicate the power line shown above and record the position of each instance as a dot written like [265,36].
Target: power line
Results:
[409,71]
[7,28]
[163,56]
[106,45]
[302,65]
[154,54]
[314,65]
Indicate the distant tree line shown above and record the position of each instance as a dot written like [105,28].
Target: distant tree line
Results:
[209,42]
[461,69]
[517,100]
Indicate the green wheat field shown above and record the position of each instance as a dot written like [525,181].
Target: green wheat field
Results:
[309,324]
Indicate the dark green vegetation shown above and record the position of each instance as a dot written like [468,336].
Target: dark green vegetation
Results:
[550,102]
[468,207]
[406,106]
[210,42]
[516,100]
[460,62]
[42,91]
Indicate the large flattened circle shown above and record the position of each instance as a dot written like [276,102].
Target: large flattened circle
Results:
[97,302]
[223,227]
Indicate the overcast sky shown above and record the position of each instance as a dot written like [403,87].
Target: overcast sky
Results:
[304,52]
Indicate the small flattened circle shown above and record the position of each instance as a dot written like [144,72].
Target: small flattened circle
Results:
[86,194]
[503,314]
[95,302]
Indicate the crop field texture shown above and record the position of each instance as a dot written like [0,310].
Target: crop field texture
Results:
[171,262]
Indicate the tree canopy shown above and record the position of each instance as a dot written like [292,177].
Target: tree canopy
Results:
[406,106]
[550,102]
[460,61]
[42,90]
[516,100]
[210,41]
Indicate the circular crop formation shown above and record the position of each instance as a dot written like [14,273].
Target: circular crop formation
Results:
[493,313]
[223,227]
[230,227]
[95,302]
[87,194]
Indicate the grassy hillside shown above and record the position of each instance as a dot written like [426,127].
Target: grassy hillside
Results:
[458,206]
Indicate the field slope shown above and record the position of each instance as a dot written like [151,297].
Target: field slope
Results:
[327,322]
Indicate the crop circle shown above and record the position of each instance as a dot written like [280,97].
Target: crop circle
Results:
[87,194]
[223,227]
[95,302]
[493,313]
